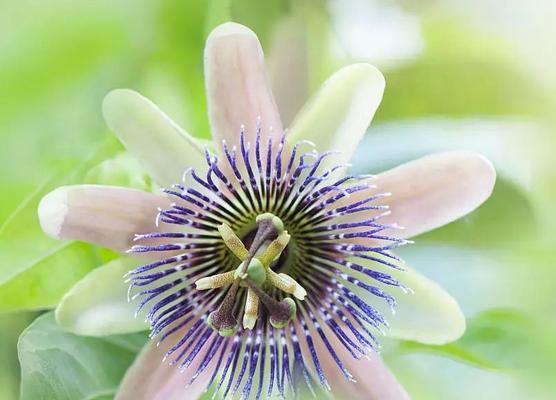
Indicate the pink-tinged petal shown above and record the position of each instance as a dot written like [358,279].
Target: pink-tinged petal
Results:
[105,215]
[427,193]
[338,115]
[152,378]
[436,190]
[373,379]
[238,91]
[164,150]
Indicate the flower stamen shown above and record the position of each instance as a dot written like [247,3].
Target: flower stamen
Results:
[286,284]
[216,281]
[223,320]
[281,312]
[274,249]
[233,243]
[254,272]
[251,312]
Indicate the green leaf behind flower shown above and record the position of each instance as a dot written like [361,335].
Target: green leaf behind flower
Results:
[35,270]
[62,366]
[495,339]
[49,278]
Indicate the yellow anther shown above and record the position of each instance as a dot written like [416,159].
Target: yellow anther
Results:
[215,281]
[251,312]
[233,242]
[286,284]
[253,273]
[275,248]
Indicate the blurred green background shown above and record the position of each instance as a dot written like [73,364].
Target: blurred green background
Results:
[475,74]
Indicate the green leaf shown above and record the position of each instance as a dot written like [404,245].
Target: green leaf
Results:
[35,270]
[451,350]
[501,336]
[11,326]
[495,339]
[49,278]
[97,305]
[62,366]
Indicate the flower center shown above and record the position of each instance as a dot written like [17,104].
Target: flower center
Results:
[225,255]
[256,273]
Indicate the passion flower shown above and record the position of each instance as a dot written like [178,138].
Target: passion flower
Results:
[269,268]
[272,240]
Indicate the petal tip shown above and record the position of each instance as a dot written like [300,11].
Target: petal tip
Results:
[461,326]
[455,327]
[229,29]
[114,101]
[488,168]
[52,211]
[367,73]
[455,324]
[339,114]
[61,319]
[482,169]
[369,70]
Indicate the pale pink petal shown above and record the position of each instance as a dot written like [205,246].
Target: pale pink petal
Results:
[105,215]
[373,379]
[238,91]
[436,190]
[431,191]
[154,379]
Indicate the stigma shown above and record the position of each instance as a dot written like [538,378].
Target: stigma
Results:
[255,273]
